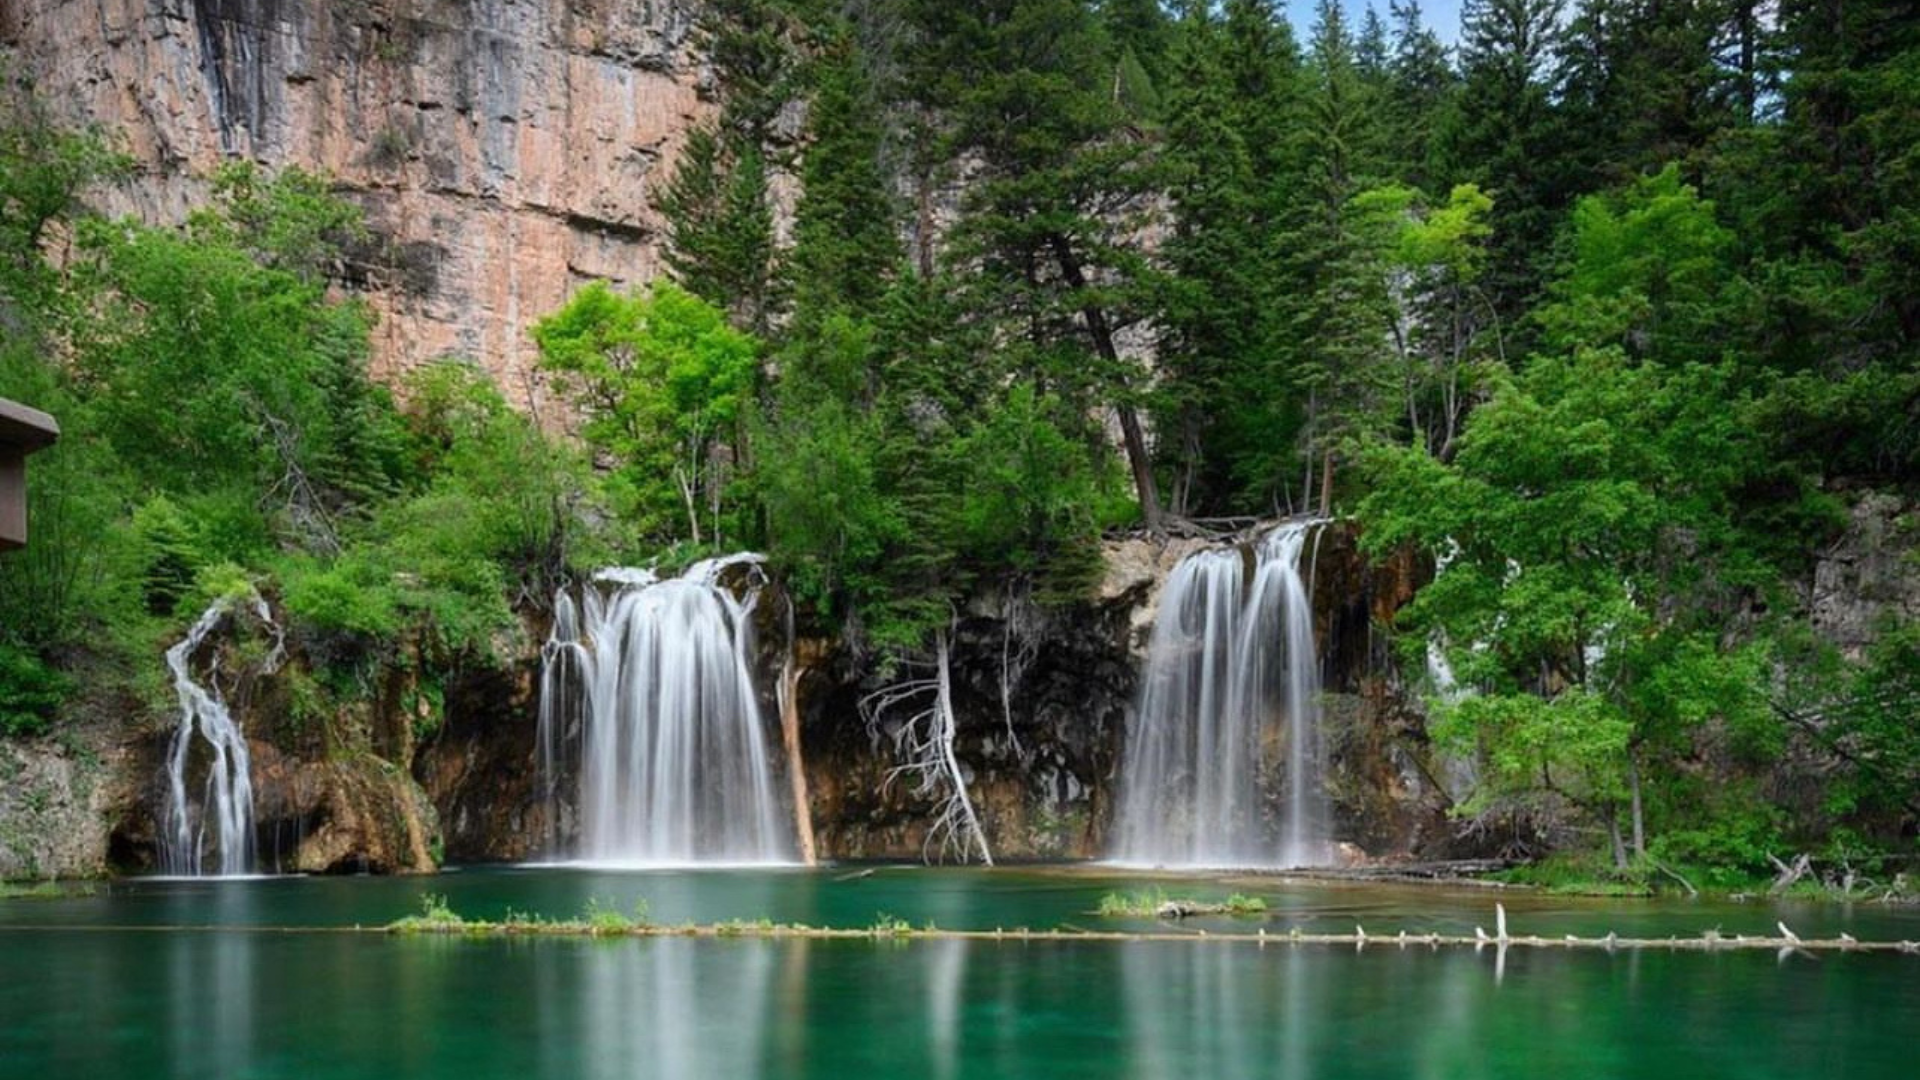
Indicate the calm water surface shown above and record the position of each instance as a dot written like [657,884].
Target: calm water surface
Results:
[94,987]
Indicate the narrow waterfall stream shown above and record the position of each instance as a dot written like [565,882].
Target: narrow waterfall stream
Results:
[650,724]
[1223,764]
[224,812]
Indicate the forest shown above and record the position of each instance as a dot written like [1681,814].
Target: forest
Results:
[1610,311]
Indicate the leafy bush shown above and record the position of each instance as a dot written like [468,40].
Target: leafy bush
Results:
[30,691]
[1730,847]
[351,596]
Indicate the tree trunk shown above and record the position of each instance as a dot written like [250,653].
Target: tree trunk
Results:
[1613,838]
[944,717]
[1142,466]
[1130,433]
[1183,481]
[1306,484]
[1639,816]
[923,224]
[687,496]
[1749,36]
[1326,484]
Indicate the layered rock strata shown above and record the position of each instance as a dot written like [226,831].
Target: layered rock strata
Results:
[503,150]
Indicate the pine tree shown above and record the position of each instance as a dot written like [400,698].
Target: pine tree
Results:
[1370,49]
[1640,85]
[1224,384]
[1343,325]
[1500,133]
[1262,65]
[1421,78]
[1048,234]
[719,224]
[845,225]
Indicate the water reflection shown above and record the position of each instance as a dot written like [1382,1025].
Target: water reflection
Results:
[114,1004]
[1204,1010]
[946,974]
[671,1008]
[210,996]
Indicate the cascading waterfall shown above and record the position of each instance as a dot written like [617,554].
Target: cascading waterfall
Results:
[648,706]
[564,680]
[226,806]
[1231,669]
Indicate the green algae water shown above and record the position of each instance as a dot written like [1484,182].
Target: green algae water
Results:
[211,979]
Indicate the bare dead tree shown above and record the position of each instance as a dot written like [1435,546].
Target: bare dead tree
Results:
[306,510]
[923,745]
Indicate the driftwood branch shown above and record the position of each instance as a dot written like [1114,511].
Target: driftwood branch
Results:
[1802,866]
[923,743]
[1674,874]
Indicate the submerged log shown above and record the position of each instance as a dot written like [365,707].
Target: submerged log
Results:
[1710,940]
[1360,938]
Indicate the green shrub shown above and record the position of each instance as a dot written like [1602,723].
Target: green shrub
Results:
[30,692]
[606,920]
[1727,848]
[350,596]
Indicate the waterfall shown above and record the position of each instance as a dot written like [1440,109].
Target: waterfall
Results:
[226,805]
[1228,712]
[650,725]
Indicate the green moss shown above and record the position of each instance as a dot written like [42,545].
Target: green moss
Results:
[606,920]
[1136,905]
[1579,875]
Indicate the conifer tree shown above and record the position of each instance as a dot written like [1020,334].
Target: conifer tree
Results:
[720,227]
[1500,134]
[845,225]
[1047,242]
[1343,324]
[1421,78]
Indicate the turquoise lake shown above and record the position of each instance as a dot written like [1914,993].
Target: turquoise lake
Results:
[153,978]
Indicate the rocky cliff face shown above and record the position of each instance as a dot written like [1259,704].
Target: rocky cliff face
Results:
[391,779]
[57,800]
[1037,750]
[481,770]
[383,786]
[503,149]
[1867,576]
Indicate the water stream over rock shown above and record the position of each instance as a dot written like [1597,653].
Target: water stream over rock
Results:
[1223,762]
[650,723]
[225,811]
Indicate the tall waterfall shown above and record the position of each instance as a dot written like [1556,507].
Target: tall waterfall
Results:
[1228,716]
[225,810]
[650,723]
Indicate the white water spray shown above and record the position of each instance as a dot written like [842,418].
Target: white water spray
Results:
[1231,670]
[648,685]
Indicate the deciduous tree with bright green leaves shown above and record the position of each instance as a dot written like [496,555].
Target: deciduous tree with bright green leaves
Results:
[1589,551]
[661,381]
[1586,557]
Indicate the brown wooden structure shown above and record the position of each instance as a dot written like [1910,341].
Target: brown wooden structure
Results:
[22,431]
